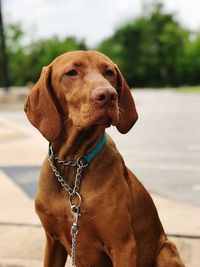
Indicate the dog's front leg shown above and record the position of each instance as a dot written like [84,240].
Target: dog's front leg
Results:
[124,255]
[168,256]
[55,253]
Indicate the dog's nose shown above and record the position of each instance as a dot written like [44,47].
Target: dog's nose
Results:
[104,96]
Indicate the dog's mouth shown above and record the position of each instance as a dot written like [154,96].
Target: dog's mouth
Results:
[105,116]
[104,120]
[100,116]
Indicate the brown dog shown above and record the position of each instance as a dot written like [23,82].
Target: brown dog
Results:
[77,96]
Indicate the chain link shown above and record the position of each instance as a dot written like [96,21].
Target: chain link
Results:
[75,209]
[73,254]
[78,163]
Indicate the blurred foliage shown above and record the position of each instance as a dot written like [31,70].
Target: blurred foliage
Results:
[154,50]
[26,61]
[150,50]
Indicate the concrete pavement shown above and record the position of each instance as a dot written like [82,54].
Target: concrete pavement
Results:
[22,237]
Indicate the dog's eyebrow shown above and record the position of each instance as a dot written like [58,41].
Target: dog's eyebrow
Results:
[77,63]
[73,64]
[107,66]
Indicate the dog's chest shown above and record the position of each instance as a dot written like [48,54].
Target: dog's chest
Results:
[100,201]
[57,221]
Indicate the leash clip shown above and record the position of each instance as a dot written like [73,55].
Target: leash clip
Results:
[75,211]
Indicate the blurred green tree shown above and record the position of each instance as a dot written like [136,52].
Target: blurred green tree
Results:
[16,53]
[42,52]
[4,76]
[191,70]
[27,60]
[153,50]
[150,49]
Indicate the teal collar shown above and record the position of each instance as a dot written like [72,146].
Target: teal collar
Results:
[90,155]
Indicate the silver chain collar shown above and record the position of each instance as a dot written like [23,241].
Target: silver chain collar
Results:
[72,193]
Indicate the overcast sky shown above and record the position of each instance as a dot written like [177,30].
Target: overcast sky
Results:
[92,20]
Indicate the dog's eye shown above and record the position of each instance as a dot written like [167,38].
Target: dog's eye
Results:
[71,73]
[109,72]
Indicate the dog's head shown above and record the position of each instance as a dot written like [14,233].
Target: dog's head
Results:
[85,87]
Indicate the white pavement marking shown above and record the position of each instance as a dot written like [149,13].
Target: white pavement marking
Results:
[23,129]
[15,206]
[196,187]
[194,147]
[26,263]
[26,151]
[20,263]
[167,166]
[178,218]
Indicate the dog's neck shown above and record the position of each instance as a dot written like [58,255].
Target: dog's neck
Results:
[73,143]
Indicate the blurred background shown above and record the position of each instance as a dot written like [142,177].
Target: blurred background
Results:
[156,44]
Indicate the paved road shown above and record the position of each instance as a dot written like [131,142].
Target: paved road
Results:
[163,149]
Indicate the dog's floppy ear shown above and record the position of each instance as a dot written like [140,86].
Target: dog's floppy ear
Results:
[127,110]
[40,108]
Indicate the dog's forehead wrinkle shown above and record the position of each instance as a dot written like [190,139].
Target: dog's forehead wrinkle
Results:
[82,59]
[78,62]
[99,61]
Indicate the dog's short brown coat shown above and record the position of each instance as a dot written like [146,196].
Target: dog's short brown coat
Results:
[77,96]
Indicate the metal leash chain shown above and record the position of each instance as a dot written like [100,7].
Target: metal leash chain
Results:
[73,192]
[74,232]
